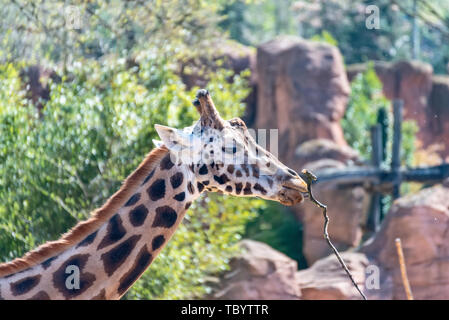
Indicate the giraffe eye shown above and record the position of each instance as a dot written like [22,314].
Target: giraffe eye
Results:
[232,149]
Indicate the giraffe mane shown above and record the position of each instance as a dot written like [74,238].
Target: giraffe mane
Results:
[84,228]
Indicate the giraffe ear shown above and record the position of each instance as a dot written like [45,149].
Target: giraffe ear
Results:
[172,138]
[158,143]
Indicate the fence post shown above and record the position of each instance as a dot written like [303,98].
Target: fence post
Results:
[374,216]
[396,152]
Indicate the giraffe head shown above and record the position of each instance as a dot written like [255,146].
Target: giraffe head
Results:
[224,157]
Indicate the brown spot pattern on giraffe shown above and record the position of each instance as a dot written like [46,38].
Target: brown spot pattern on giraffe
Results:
[238,187]
[87,241]
[165,217]
[246,169]
[114,258]
[60,276]
[221,179]
[47,263]
[191,188]
[114,232]
[180,196]
[203,170]
[138,215]
[247,189]
[157,242]
[199,186]
[176,180]
[157,190]
[133,200]
[100,296]
[166,163]
[149,177]
[255,170]
[23,286]
[41,295]
[144,259]
[259,188]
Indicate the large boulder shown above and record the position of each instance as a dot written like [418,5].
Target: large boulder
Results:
[413,82]
[327,280]
[302,91]
[439,113]
[421,221]
[259,273]
[318,149]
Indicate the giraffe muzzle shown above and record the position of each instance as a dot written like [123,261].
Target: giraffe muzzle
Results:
[293,191]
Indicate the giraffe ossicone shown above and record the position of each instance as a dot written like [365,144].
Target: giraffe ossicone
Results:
[112,249]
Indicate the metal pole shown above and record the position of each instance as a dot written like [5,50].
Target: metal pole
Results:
[373,223]
[376,143]
[396,152]
[415,33]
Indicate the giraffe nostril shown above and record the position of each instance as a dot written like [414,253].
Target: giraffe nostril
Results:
[293,173]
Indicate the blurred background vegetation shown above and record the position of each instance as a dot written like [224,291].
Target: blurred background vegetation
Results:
[118,75]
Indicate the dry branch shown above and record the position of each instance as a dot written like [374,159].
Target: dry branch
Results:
[405,282]
[310,177]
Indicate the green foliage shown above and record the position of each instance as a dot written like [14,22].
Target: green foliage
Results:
[362,112]
[279,228]
[95,129]
[59,32]
[255,21]
[409,130]
[325,37]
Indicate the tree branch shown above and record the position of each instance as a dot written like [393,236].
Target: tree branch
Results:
[405,282]
[310,177]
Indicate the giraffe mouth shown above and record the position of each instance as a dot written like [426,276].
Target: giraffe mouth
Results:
[289,196]
[293,191]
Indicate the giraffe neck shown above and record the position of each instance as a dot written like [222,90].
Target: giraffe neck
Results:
[114,256]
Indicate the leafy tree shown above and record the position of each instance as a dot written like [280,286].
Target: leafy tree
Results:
[365,102]
[95,129]
[279,228]
[254,22]
[59,32]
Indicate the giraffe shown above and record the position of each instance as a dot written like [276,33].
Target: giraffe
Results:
[112,249]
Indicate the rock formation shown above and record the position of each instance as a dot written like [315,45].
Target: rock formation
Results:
[439,113]
[421,221]
[326,279]
[259,273]
[302,91]
[424,95]
[318,149]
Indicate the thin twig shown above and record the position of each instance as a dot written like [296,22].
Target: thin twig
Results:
[310,177]
[405,282]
